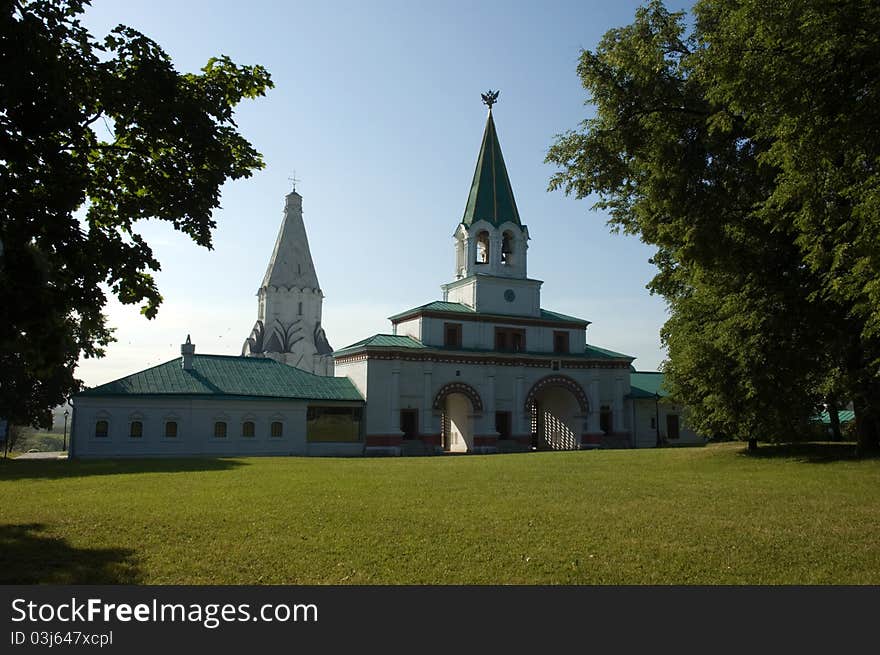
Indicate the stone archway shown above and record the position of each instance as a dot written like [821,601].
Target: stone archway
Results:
[458,403]
[558,407]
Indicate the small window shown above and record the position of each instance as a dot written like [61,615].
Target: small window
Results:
[653,423]
[510,339]
[605,423]
[247,429]
[300,309]
[171,429]
[136,430]
[452,335]
[220,429]
[101,429]
[560,341]
[277,429]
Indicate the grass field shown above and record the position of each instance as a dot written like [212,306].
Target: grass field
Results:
[708,515]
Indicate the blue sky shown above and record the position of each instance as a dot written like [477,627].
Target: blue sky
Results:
[377,108]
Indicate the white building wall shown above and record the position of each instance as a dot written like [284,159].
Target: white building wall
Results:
[646,436]
[195,428]
[501,388]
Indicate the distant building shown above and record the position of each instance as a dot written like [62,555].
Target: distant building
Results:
[289,301]
[218,405]
[657,420]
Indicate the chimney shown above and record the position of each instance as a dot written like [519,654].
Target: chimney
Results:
[188,350]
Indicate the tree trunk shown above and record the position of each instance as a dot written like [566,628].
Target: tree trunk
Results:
[867,432]
[753,444]
[835,419]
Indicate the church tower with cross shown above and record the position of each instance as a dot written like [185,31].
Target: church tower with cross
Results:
[289,301]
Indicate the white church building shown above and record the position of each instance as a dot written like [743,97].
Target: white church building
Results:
[483,369]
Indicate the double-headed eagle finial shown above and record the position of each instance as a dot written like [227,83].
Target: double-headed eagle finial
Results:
[490,98]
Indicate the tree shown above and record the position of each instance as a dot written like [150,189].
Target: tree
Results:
[94,137]
[724,148]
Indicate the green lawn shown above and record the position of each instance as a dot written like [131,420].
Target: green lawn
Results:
[673,516]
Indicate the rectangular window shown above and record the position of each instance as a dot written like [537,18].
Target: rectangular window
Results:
[136,430]
[247,429]
[605,423]
[220,429]
[101,429]
[452,335]
[560,341]
[672,426]
[510,339]
[276,429]
[333,424]
[503,425]
[171,429]
[653,423]
[409,423]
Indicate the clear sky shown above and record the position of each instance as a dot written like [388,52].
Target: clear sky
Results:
[377,108]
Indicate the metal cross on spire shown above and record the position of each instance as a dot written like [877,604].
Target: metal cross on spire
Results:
[490,98]
[293,180]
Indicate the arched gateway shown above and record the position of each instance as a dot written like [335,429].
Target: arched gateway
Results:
[558,407]
[459,403]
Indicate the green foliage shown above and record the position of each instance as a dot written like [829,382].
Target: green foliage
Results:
[708,515]
[746,151]
[95,136]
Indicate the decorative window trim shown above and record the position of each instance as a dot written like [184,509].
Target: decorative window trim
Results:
[225,425]
[105,434]
[171,418]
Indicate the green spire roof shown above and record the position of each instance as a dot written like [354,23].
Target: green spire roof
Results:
[491,196]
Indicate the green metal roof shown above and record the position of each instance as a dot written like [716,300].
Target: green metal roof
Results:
[399,341]
[383,341]
[491,196]
[441,306]
[844,415]
[595,352]
[646,384]
[224,375]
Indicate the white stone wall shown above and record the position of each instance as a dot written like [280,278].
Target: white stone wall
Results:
[480,335]
[195,428]
[396,384]
[646,436]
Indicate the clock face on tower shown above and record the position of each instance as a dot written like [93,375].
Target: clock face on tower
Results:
[509,295]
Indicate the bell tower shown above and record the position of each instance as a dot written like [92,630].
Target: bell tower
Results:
[491,243]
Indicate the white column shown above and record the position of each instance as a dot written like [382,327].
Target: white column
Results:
[618,406]
[494,252]
[489,402]
[594,407]
[394,418]
[427,401]
[519,417]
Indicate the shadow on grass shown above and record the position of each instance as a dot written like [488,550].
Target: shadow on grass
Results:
[822,452]
[28,557]
[15,469]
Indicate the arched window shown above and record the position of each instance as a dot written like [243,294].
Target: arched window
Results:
[483,247]
[136,429]
[507,248]
[247,429]
[220,429]
[171,429]
[101,428]
[277,429]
